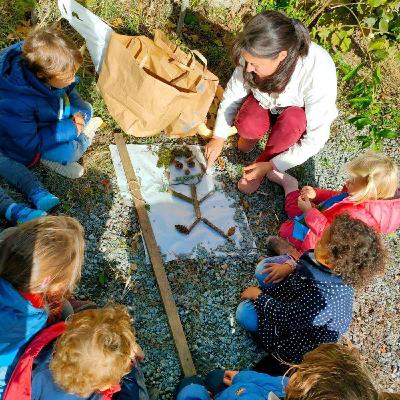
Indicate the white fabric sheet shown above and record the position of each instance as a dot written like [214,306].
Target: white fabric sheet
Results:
[165,210]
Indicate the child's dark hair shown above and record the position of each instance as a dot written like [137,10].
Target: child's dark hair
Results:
[265,36]
[331,372]
[50,54]
[356,251]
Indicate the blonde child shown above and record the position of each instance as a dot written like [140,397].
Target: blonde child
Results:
[40,264]
[370,194]
[95,357]
[330,372]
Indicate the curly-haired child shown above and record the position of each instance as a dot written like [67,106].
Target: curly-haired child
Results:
[330,372]
[370,194]
[40,264]
[95,357]
[291,315]
[42,117]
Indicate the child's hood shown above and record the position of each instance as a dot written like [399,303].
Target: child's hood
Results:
[16,78]
[21,320]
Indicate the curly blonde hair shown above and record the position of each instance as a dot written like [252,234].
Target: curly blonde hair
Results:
[381,175]
[95,351]
[331,372]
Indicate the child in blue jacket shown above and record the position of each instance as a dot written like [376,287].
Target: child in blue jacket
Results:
[42,117]
[331,371]
[305,303]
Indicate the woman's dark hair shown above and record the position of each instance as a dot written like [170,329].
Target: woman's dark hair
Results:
[265,36]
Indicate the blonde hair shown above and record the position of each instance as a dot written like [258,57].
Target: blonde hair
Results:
[331,372]
[49,54]
[95,351]
[43,256]
[380,173]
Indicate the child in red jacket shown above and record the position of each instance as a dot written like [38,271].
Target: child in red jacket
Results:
[370,194]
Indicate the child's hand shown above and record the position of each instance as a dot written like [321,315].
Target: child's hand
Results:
[304,203]
[257,170]
[277,272]
[79,121]
[250,293]
[228,377]
[308,191]
[137,353]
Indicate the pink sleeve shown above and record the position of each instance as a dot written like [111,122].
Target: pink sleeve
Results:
[316,221]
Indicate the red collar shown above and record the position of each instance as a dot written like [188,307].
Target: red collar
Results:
[34,298]
[107,394]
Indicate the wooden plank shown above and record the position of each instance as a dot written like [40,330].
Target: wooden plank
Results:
[155,256]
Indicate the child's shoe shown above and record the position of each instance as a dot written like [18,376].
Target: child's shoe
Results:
[92,127]
[72,170]
[43,200]
[18,213]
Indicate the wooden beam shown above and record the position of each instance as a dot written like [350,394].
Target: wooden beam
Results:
[155,256]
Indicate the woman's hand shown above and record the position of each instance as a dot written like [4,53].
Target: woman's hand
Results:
[304,203]
[213,149]
[251,293]
[228,377]
[309,192]
[257,170]
[276,272]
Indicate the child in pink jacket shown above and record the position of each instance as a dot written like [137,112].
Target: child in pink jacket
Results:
[370,194]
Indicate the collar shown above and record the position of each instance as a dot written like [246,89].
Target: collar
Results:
[34,298]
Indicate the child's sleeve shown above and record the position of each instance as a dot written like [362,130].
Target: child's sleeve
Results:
[275,384]
[80,105]
[58,132]
[316,221]
[290,315]
[324,194]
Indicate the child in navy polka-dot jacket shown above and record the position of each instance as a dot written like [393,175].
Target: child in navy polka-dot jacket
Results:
[313,305]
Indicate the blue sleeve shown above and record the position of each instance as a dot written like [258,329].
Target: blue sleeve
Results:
[193,391]
[79,105]
[291,315]
[18,122]
[275,384]
[132,387]
[58,132]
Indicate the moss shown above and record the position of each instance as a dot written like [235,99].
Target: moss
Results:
[166,155]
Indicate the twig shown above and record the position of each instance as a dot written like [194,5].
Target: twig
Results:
[195,201]
[207,196]
[180,195]
[184,7]
[220,231]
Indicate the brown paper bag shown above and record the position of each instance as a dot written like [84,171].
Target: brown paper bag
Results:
[150,86]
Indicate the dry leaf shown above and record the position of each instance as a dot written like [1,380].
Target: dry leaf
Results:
[132,268]
[221,162]
[135,242]
[245,204]
[117,22]
[170,25]
[231,231]
[194,38]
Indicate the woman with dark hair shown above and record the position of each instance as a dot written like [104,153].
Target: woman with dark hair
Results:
[282,81]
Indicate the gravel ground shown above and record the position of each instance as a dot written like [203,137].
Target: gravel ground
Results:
[207,290]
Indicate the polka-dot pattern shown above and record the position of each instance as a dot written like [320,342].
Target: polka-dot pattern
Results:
[310,307]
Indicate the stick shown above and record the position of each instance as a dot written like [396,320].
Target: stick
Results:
[207,196]
[156,260]
[184,7]
[180,195]
[195,201]
[220,231]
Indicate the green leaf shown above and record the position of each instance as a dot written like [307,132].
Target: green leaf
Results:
[380,55]
[360,121]
[345,45]
[352,73]
[376,3]
[376,77]
[361,102]
[387,134]
[370,21]
[377,44]
[365,140]
[383,25]
[103,278]
[397,57]
[190,19]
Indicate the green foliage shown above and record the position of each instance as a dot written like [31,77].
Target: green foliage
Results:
[167,154]
[339,26]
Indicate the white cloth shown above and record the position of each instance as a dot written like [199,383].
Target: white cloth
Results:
[165,211]
[313,86]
